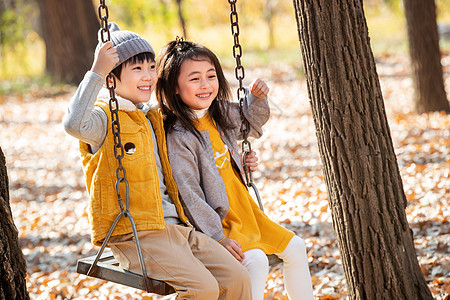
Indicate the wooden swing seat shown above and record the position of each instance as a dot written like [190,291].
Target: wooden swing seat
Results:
[108,269]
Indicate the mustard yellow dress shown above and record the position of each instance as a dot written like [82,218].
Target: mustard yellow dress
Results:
[245,222]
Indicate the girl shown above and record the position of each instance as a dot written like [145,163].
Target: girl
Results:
[202,129]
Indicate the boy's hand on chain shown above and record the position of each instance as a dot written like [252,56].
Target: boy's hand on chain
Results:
[105,60]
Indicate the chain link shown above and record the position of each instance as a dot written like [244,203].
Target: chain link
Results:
[104,21]
[239,72]
[121,175]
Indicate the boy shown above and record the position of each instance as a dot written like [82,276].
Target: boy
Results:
[195,265]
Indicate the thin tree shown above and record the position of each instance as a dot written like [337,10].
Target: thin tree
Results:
[13,268]
[268,13]
[181,17]
[365,189]
[429,91]
[70,34]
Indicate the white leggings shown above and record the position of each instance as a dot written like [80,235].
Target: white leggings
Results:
[297,279]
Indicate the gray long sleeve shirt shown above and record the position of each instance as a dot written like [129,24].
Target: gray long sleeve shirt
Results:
[89,124]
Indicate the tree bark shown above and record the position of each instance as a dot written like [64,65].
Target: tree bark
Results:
[13,268]
[365,190]
[70,34]
[429,91]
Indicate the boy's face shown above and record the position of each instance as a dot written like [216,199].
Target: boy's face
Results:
[137,81]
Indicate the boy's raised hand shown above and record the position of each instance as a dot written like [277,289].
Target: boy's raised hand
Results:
[259,88]
[105,60]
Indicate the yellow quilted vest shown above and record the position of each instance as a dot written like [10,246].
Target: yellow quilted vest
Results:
[144,193]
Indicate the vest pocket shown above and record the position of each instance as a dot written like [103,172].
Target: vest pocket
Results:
[133,138]
[106,198]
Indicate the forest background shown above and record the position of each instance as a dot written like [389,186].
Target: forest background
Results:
[207,22]
[47,191]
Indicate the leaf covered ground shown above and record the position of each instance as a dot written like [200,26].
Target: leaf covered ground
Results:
[48,197]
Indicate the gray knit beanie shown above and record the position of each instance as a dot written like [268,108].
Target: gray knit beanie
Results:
[127,43]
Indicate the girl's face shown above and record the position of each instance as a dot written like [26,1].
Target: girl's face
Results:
[197,83]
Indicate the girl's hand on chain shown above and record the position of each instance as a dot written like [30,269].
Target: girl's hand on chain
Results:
[259,88]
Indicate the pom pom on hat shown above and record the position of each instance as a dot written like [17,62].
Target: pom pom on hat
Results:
[112,27]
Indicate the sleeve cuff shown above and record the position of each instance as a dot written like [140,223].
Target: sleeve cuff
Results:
[219,236]
[94,75]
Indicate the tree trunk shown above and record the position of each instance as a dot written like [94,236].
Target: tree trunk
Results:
[429,91]
[70,34]
[13,268]
[181,18]
[360,168]
[268,12]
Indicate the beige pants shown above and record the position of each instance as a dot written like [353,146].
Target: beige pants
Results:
[194,264]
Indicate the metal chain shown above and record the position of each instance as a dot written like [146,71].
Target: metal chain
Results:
[104,21]
[121,175]
[240,74]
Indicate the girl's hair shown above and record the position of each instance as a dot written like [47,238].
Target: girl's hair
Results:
[138,58]
[168,65]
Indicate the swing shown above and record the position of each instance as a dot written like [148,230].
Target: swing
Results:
[103,265]
[246,145]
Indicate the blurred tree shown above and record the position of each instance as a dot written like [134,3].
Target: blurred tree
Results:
[13,268]
[17,20]
[268,12]
[208,13]
[365,189]
[429,91]
[70,34]
[145,16]
[181,18]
